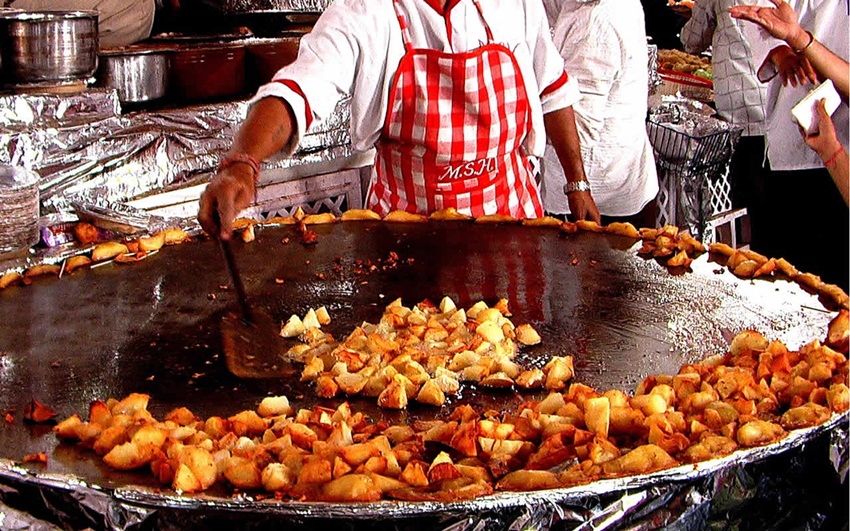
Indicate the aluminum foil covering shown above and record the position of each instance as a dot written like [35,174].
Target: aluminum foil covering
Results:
[287,6]
[652,67]
[19,112]
[18,208]
[685,497]
[83,148]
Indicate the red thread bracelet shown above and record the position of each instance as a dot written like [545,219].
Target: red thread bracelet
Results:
[834,157]
[244,159]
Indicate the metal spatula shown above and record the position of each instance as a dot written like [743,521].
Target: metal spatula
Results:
[250,337]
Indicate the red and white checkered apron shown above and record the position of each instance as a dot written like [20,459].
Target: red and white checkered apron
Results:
[453,134]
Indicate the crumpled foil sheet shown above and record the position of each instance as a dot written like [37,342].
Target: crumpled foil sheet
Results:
[288,6]
[19,112]
[652,67]
[757,488]
[82,147]
[18,208]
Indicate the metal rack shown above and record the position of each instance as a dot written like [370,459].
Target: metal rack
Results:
[692,153]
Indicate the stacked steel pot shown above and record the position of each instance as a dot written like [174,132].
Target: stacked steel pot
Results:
[50,49]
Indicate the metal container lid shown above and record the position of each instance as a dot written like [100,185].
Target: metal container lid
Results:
[15,14]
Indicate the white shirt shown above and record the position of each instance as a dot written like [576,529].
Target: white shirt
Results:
[604,47]
[738,95]
[828,21]
[355,47]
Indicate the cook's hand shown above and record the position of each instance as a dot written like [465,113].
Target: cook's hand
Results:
[793,68]
[582,206]
[779,21]
[230,192]
[824,141]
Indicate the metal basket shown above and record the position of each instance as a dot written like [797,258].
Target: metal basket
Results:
[686,142]
[692,153]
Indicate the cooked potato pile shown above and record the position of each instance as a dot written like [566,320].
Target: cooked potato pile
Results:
[752,396]
[422,354]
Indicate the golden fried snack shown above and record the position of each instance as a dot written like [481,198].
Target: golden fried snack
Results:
[805,416]
[279,220]
[526,480]
[360,214]
[86,233]
[721,248]
[495,218]
[590,226]
[643,459]
[680,259]
[835,293]
[319,219]
[76,262]
[152,243]
[10,278]
[108,250]
[569,227]
[401,216]
[248,234]
[623,229]
[449,214]
[545,221]
[838,332]
[42,269]
[175,235]
[709,447]
[241,223]
[759,433]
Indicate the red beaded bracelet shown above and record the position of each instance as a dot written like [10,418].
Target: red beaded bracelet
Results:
[829,163]
[244,159]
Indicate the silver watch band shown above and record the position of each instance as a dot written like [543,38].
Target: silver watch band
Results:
[576,186]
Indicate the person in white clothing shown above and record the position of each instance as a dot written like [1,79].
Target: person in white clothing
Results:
[457,98]
[740,99]
[120,22]
[781,21]
[603,43]
[808,219]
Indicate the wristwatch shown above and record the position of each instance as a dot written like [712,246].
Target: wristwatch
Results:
[576,186]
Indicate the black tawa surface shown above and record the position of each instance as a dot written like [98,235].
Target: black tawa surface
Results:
[154,326]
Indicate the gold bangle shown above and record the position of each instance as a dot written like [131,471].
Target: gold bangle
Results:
[806,47]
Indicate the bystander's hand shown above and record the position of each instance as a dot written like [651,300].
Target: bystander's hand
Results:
[824,141]
[793,68]
[780,21]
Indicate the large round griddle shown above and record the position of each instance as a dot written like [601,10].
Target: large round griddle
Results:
[153,326]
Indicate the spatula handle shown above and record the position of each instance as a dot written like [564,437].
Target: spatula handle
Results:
[230,261]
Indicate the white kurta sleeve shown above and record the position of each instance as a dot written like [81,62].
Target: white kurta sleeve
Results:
[329,57]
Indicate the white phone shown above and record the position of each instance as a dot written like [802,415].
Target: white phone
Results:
[806,113]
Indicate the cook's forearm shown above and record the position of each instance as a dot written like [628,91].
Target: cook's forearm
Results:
[563,135]
[267,129]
